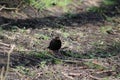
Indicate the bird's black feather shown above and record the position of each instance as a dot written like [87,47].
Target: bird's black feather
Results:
[55,44]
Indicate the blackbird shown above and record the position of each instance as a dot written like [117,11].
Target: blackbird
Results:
[55,44]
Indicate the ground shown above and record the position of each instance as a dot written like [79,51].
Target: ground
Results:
[90,44]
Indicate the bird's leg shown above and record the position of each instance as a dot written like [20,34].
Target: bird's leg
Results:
[58,53]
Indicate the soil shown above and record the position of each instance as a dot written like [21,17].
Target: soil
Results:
[90,43]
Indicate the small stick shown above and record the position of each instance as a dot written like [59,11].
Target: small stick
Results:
[67,76]
[2,73]
[2,7]
[5,24]
[6,8]
[19,74]
[95,78]
[8,62]
[1,43]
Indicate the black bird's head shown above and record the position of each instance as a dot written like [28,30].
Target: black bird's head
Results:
[57,38]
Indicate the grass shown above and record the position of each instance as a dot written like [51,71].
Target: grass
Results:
[43,4]
[109,19]
[105,29]
[96,9]
[94,66]
[64,3]
[46,57]
[109,2]
[42,36]
[70,15]
[104,8]
[65,34]
[20,48]
[103,51]
[25,71]
[118,75]
[106,78]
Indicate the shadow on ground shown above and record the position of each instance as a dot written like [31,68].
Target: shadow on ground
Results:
[52,21]
[66,19]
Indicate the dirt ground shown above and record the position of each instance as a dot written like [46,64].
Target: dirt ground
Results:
[90,43]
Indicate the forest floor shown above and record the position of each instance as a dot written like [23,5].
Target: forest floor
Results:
[90,44]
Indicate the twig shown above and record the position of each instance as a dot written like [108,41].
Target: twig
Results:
[11,38]
[95,78]
[20,75]
[2,73]
[66,75]
[3,51]
[72,61]
[5,24]
[20,4]
[8,62]
[24,50]
[37,76]
[105,71]
[6,8]
[75,74]
[2,7]
[1,43]
[4,48]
